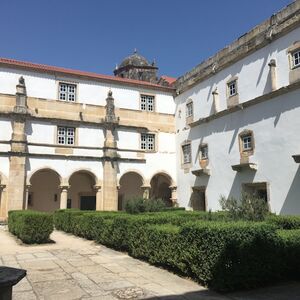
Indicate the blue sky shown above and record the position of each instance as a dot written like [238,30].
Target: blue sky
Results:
[94,35]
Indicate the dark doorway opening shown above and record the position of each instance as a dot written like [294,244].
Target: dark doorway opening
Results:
[88,203]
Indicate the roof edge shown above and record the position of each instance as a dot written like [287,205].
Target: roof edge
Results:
[12,63]
[261,35]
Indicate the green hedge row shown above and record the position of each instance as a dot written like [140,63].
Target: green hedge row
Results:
[30,226]
[220,254]
[284,222]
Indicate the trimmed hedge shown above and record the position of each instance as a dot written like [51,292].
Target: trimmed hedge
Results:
[290,252]
[284,222]
[30,226]
[208,247]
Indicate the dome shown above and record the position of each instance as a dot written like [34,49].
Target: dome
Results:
[134,60]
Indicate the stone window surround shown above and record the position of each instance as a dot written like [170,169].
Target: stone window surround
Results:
[154,102]
[232,100]
[58,82]
[246,152]
[189,118]
[155,141]
[188,165]
[294,74]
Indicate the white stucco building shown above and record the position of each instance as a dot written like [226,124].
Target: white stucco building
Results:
[83,140]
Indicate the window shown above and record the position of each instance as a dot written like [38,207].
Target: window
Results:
[189,109]
[66,135]
[67,92]
[232,88]
[148,141]
[204,152]
[186,151]
[247,142]
[296,59]
[147,102]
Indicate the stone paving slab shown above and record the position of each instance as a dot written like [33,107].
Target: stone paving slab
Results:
[74,268]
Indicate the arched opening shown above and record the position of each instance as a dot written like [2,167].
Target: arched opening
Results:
[130,187]
[81,193]
[44,193]
[160,188]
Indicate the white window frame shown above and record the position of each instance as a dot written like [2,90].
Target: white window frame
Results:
[186,153]
[66,135]
[189,109]
[148,141]
[296,59]
[247,142]
[232,88]
[67,92]
[147,102]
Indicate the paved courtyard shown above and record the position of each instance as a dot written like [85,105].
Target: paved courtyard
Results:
[74,268]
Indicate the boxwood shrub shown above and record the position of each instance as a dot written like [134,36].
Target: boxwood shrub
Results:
[30,226]
[284,222]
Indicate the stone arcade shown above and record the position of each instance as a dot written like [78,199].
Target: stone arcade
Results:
[83,140]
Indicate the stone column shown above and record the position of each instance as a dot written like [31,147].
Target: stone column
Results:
[146,191]
[216,105]
[272,65]
[28,186]
[17,159]
[173,189]
[110,192]
[64,196]
[99,200]
[3,214]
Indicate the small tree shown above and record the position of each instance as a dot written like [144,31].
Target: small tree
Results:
[140,205]
[249,207]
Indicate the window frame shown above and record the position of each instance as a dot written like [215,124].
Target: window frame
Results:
[65,135]
[146,102]
[189,154]
[246,152]
[232,83]
[189,109]
[67,93]
[147,142]
[293,53]
[247,145]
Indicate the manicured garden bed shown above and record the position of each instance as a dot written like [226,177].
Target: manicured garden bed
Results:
[208,247]
[30,226]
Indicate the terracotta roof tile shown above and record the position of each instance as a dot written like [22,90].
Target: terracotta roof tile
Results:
[65,71]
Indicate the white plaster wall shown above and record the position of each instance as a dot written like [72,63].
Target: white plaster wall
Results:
[5,129]
[275,124]
[41,132]
[253,78]
[128,139]
[90,136]
[88,91]
[65,168]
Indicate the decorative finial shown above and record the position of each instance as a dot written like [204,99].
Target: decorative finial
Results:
[22,80]
[135,50]
[154,62]
[109,94]
[116,68]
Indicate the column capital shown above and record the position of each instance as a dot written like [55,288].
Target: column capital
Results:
[64,187]
[97,187]
[2,187]
[145,186]
[272,63]
[173,187]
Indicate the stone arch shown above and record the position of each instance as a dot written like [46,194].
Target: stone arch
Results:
[29,176]
[44,190]
[161,183]
[132,171]
[81,190]
[130,185]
